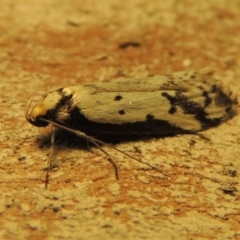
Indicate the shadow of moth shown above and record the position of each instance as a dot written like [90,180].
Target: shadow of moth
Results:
[176,103]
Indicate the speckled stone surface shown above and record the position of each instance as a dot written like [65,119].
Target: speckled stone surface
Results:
[45,45]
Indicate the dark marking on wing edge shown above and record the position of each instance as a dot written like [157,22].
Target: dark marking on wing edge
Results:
[223,100]
[195,109]
[149,118]
[172,110]
[170,98]
[208,100]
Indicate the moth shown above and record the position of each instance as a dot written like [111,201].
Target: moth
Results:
[176,103]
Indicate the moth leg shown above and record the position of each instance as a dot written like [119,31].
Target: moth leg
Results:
[87,143]
[96,141]
[49,164]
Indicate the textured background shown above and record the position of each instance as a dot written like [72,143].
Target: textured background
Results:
[46,45]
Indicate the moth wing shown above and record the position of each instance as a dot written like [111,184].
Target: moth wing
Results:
[178,99]
[179,81]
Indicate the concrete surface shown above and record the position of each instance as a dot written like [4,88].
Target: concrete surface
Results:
[46,45]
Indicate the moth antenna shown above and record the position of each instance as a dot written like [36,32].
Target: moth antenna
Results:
[109,159]
[27,112]
[96,141]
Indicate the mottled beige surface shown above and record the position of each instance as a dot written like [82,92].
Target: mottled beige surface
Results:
[50,44]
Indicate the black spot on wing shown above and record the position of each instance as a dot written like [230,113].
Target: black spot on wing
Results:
[222,99]
[118,98]
[121,112]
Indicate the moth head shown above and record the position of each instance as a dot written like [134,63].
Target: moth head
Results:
[54,107]
[36,115]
